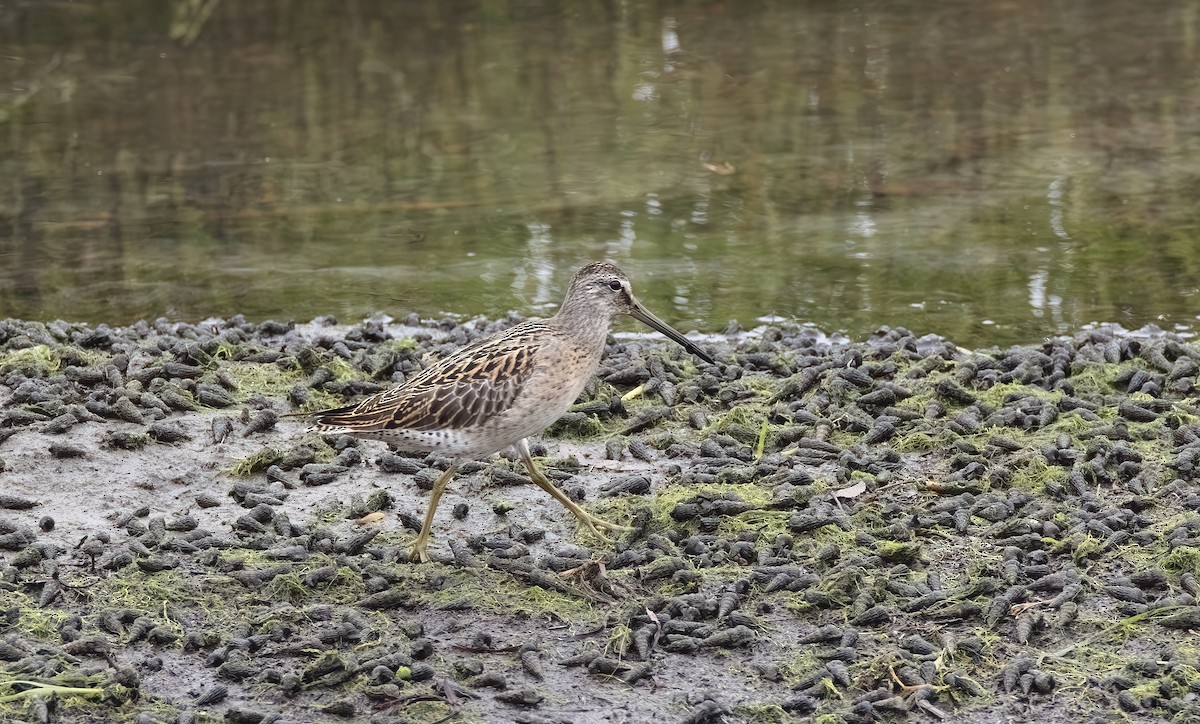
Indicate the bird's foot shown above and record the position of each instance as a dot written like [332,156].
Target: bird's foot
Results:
[418,553]
[594,524]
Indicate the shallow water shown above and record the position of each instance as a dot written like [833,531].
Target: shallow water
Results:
[995,171]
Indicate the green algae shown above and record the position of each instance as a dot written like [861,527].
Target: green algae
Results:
[256,462]
[262,378]
[38,360]
[578,426]
[33,620]
[767,713]
[1182,559]
[496,592]
[997,395]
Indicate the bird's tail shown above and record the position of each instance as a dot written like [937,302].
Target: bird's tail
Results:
[346,419]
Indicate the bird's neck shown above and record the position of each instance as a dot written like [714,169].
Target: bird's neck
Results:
[588,327]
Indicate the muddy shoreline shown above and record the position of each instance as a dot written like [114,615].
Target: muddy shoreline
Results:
[895,528]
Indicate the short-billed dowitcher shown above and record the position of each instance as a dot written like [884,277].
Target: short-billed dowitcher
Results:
[495,393]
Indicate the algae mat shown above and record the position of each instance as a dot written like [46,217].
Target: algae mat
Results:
[824,530]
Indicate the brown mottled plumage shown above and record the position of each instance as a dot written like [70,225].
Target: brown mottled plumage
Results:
[496,392]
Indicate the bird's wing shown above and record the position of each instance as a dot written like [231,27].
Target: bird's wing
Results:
[459,391]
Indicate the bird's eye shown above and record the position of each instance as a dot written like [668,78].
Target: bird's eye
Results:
[614,285]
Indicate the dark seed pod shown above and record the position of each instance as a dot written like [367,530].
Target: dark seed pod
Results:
[213,396]
[1026,625]
[1043,682]
[139,628]
[222,427]
[162,636]
[1067,613]
[636,673]
[1054,581]
[605,665]
[729,638]
[64,451]
[13,502]
[640,450]
[262,421]
[314,474]
[728,602]
[1188,618]
[581,659]
[828,632]
[1069,592]
[874,616]
[681,644]
[1128,701]
[947,389]
[840,674]
[918,645]
[85,646]
[1126,593]
[523,696]
[1152,578]
[1135,412]
[249,524]
[883,430]
[386,600]
[631,485]
[909,676]
[392,463]
[239,670]
[1189,583]
[50,591]
[1011,674]
[155,564]
[966,685]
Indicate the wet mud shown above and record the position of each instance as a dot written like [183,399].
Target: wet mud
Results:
[825,530]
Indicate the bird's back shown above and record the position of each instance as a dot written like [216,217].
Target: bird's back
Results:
[479,399]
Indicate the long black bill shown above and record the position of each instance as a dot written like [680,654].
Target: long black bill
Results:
[644,315]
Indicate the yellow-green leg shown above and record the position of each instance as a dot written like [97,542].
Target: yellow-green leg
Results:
[418,554]
[544,483]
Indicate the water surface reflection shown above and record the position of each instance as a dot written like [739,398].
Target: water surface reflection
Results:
[995,171]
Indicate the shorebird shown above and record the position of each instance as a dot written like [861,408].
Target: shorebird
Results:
[495,393]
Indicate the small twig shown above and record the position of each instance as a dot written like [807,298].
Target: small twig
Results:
[933,710]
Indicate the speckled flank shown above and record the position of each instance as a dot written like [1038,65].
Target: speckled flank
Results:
[495,393]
